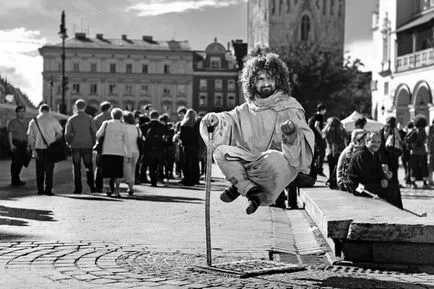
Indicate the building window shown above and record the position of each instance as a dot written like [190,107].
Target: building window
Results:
[93,88]
[76,66]
[144,88]
[218,84]
[203,99]
[202,84]
[129,68]
[305,28]
[129,89]
[93,67]
[218,99]
[166,68]
[112,67]
[324,7]
[166,90]
[181,90]
[231,84]
[231,99]
[144,68]
[216,62]
[332,6]
[273,7]
[288,6]
[386,88]
[75,88]
[112,89]
[374,85]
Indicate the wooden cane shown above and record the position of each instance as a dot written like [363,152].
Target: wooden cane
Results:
[209,149]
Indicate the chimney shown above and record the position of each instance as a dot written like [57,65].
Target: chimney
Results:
[147,38]
[124,37]
[80,35]
[100,36]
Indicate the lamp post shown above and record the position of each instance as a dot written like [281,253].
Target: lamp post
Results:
[63,35]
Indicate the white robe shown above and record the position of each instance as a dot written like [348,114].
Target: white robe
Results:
[250,148]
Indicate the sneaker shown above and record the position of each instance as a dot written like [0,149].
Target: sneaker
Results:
[254,201]
[413,186]
[50,193]
[18,184]
[130,192]
[426,186]
[230,194]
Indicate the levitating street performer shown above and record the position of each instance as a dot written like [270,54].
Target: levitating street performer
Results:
[261,145]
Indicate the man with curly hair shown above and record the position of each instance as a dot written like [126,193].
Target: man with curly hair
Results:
[261,145]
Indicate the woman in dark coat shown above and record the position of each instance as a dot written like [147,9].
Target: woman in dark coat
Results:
[366,168]
[189,135]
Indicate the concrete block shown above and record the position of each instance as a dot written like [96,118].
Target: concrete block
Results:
[357,251]
[403,253]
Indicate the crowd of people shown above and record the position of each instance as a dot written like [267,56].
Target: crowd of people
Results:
[134,147]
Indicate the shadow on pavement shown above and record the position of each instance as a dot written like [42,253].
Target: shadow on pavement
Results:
[22,213]
[361,283]
[164,199]
[13,222]
[91,198]
[5,237]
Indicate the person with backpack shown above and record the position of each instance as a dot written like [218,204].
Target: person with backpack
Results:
[155,137]
[416,139]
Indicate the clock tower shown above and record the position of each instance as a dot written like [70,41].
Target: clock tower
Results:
[279,23]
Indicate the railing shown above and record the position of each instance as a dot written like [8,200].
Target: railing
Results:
[415,60]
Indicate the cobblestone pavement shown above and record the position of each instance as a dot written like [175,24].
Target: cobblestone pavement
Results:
[154,238]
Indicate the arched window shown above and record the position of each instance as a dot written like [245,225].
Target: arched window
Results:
[305,28]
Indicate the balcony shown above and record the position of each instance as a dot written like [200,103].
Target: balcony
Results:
[415,60]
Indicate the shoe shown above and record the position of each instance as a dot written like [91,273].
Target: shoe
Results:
[49,193]
[130,192]
[153,185]
[98,190]
[413,186]
[76,192]
[321,174]
[109,193]
[230,194]
[254,201]
[426,186]
[253,206]
[18,184]
[40,193]
[93,190]
[137,182]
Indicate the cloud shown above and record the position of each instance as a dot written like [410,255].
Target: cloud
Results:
[20,62]
[160,7]
[363,50]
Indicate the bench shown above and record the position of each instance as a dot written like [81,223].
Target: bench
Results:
[369,231]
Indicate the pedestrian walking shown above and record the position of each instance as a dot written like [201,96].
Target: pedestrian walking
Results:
[99,119]
[154,139]
[416,139]
[80,134]
[189,135]
[18,144]
[43,130]
[391,146]
[431,153]
[114,148]
[320,142]
[132,150]
[336,137]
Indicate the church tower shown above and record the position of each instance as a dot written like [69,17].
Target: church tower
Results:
[279,23]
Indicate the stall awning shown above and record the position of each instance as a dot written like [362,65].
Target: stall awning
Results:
[416,22]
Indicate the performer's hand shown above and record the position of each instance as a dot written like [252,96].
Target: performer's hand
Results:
[210,119]
[13,148]
[384,183]
[287,127]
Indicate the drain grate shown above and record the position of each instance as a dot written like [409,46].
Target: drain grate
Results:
[360,270]
[250,268]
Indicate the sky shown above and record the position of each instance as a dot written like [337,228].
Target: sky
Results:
[26,25]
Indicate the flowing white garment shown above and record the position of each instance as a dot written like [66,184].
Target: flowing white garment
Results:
[250,148]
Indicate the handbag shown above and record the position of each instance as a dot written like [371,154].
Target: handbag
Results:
[56,151]
[140,142]
[99,142]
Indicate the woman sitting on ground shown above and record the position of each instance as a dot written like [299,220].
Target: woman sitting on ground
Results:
[357,141]
[366,168]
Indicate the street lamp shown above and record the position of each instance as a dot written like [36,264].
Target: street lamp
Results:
[63,35]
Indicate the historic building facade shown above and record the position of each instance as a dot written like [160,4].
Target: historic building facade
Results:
[128,72]
[402,79]
[279,23]
[215,79]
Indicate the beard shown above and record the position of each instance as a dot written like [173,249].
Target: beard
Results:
[265,92]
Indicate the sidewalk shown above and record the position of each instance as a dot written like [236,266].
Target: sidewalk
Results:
[150,240]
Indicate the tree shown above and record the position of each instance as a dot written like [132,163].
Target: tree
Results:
[322,75]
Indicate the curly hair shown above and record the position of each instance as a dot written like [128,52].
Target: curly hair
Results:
[274,67]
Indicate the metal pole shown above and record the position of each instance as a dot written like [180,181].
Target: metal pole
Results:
[209,149]
[63,35]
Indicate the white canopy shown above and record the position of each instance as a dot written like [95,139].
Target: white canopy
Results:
[371,124]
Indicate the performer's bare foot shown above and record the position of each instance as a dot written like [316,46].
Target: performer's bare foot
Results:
[230,194]
[254,201]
